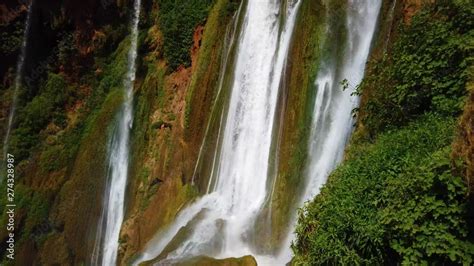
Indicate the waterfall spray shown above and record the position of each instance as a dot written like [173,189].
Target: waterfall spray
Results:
[107,239]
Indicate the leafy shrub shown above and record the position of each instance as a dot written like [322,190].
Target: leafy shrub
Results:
[11,37]
[393,201]
[425,71]
[66,48]
[178,20]
[46,106]
[115,67]
[425,213]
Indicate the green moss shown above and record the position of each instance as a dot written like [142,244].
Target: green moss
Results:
[208,63]
[149,96]
[49,107]
[160,88]
[82,149]
[36,203]
[114,68]
[306,52]
[85,184]
[11,37]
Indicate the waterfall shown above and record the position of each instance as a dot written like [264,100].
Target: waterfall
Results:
[219,223]
[18,81]
[107,239]
[229,44]
[332,120]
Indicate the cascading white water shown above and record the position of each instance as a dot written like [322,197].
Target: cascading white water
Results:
[18,82]
[107,240]
[221,220]
[332,121]
[231,33]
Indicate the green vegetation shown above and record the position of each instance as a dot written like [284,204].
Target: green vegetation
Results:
[178,20]
[306,53]
[68,146]
[208,65]
[10,40]
[48,107]
[150,95]
[398,198]
[37,202]
[426,70]
[73,80]
[45,107]
[394,200]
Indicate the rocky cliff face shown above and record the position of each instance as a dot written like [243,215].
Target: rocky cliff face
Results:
[60,157]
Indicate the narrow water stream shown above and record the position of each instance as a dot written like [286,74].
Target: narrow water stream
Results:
[107,237]
[18,82]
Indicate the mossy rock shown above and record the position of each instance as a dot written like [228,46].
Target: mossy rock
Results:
[299,90]
[80,196]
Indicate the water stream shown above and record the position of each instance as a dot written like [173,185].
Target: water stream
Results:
[18,81]
[107,236]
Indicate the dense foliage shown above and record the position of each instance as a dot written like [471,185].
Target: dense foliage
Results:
[45,107]
[48,132]
[49,107]
[10,41]
[178,20]
[398,199]
[425,71]
[394,200]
